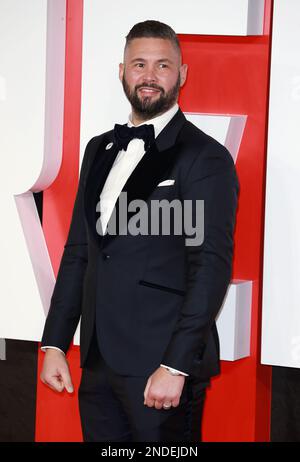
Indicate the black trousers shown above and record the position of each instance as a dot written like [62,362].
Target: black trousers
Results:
[112,407]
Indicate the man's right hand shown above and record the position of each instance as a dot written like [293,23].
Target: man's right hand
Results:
[55,372]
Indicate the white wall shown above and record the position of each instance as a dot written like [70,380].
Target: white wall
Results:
[32,55]
[281,279]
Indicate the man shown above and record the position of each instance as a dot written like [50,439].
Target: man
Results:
[147,302]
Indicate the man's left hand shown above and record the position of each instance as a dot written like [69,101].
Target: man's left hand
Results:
[163,388]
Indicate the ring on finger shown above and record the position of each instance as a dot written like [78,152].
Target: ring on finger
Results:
[167,405]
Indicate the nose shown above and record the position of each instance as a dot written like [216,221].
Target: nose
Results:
[150,74]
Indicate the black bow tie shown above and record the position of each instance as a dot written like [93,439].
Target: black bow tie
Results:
[124,134]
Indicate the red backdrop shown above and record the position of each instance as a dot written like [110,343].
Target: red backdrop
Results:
[227,75]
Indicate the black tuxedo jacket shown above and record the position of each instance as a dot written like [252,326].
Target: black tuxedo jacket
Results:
[151,298]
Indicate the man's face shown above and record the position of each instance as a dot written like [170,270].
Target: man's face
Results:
[152,75]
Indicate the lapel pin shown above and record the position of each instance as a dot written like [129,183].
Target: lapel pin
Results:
[109,146]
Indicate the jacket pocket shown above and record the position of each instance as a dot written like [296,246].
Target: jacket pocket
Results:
[160,287]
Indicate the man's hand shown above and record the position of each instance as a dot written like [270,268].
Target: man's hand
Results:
[163,388]
[55,372]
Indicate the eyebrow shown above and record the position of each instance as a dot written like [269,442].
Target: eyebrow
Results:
[159,60]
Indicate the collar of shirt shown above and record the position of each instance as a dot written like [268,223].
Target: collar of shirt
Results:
[160,121]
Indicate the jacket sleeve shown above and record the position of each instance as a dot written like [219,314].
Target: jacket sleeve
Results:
[211,178]
[65,306]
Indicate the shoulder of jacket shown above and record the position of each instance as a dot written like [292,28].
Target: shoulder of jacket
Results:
[96,140]
[200,146]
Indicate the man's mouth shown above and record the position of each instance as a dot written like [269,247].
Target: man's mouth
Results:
[148,91]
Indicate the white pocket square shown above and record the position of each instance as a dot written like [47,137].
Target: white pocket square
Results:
[166,183]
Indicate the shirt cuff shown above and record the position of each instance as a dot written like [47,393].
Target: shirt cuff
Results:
[172,369]
[44,348]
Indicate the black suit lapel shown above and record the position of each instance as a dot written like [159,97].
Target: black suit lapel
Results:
[153,166]
[100,166]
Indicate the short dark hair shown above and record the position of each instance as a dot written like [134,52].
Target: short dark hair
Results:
[153,29]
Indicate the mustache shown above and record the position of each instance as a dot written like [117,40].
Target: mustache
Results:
[147,85]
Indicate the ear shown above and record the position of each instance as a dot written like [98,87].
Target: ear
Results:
[121,71]
[183,74]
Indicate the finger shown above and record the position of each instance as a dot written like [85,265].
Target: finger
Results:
[59,387]
[67,381]
[54,383]
[158,404]
[149,402]
[175,402]
[167,405]
[153,399]
[146,390]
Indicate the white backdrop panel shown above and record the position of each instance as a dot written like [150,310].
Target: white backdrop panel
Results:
[281,279]
[104,31]
[32,56]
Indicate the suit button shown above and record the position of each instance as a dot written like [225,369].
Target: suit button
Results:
[105,256]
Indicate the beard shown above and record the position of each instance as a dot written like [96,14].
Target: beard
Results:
[147,109]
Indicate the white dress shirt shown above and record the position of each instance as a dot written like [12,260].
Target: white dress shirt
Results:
[123,166]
